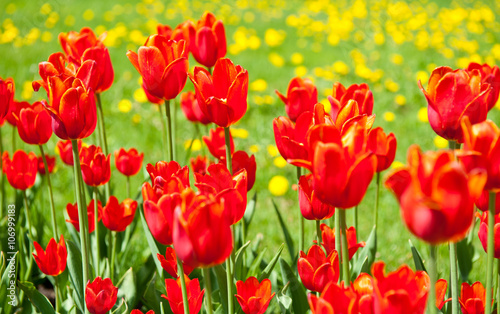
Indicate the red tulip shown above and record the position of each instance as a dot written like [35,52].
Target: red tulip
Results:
[169,263]
[128,162]
[152,99]
[254,296]
[241,160]
[140,312]
[441,286]
[7,91]
[310,206]
[181,31]
[191,109]
[96,167]
[52,261]
[483,233]
[473,298]
[316,269]
[21,170]
[55,66]
[435,195]
[118,216]
[208,40]
[230,191]
[51,162]
[489,75]
[360,93]
[174,295]
[168,177]
[452,95]
[328,240]
[483,201]
[202,235]
[100,295]
[65,151]
[216,143]
[334,299]
[222,97]
[15,109]
[301,97]
[200,164]
[383,146]
[34,124]
[163,65]
[349,114]
[72,210]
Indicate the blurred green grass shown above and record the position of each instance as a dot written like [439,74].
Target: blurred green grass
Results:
[140,127]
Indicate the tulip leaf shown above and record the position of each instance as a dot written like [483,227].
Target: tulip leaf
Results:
[284,301]
[5,284]
[220,274]
[465,254]
[250,210]
[151,242]
[121,309]
[75,272]
[417,258]
[295,289]
[238,262]
[366,256]
[255,267]
[150,296]
[269,268]
[288,238]
[127,288]
[37,299]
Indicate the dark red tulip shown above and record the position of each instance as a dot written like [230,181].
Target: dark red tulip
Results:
[174,295]
[169,263]
[360,93]
[489,75]
[316,269]
[254,296]
[96,167]
[163,65]
[129,162]
[34,124]
[51,162]
[472,298]
[328,240]
[334,298]
[7,91]
[21,170]
[15,108]
[310,206]
[52,261]
[65,151]
[241,160]
[191,109]
[100,295]
[72,210]
[216,143]
[483,201]
[207,40]
[152,99]
[301,97]
[118,216]
[383,146]
[222,97]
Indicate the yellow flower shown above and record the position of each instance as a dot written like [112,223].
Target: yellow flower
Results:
[274,38]
[397,164]
[46,36]
[27,92]
[297,58]
[389,116]
[254,42]
[88,15]
[440,142]
[195,147]
[397,59]
[278,185]
[136,118]
[69,20]
[391,85]
[254,148]
[400,100]
[239,133]
[140,95]
[341,68]
[422,76]
[125,105]
[259,85]
[276,60]
[279,162]
[300,71]
[326,103]
[422,115]
[45,9]
[272,150]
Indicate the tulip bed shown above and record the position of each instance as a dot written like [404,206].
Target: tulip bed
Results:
[269,189]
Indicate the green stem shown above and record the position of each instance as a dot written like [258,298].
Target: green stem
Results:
[490,251]
[229,160]
[96,230]
[30,265]
[377,197]
[174,127]
[229,270]
[229,279]
[129,193]
[113,254]
[185,301]
[208,286]
[57,293]
[337,237]
[51,196]
[190,148]
[28,215]
[301,218]
[498,287]
[345,249]
[14,138]
[454,278]
[82,214]
[318,231]
[2,184]
[104,140]
[431,302]
[169,130]
[164,134]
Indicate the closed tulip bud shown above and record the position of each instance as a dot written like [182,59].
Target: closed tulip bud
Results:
[65,151]
[15,109]
[291,139]
[51,162]
[489,75]
[174,295]
[7,91]
[207,40]
[181,31]
[163,65]
[100,295]
[34,124]
[483,233]
[21,170]
[169,263]
[52,261]
[216,144]
[328,240]
[118,216]
[316,269]
[360,93]
[310,206]
[200,164]
[254,296]
[128,162]
[334,298]
[241,160]
[222,97]
[72,210]
[472,298]
[383,146]
[301,97]
[452,95]
[140,312]
[96,167]
[483,201]
[191,109]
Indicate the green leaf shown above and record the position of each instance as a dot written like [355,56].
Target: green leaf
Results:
[269,268]
[37,299]
[238,262]
[465,253]
[127,288]
[121,309]
[151,242]
[255,267]
[74,266]
[366,256]
[249,212]
[295,288]
[151,297]
[8,280]
[417,258]
[288,238]
[220,274]
[284,301]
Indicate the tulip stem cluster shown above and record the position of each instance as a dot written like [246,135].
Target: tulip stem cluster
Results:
[51,196]
[96,226]
[337,238]
[28,219]
[113,254]
[229,270]
[345,248]
[169,131]
[454,277]
[301,219]
[318,230]
[431,301]
[208,285]
[103,139]
[164,134]
[185,301]
[2,186]
[491,252]
[377,198]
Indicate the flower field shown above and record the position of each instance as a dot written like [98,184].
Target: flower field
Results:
[249,156]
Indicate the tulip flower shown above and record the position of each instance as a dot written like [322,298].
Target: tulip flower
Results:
[52,261]
[200,164]
[360,93]
[301,97]
[163,173]
[128,162]
[51,162]
[216,144]
[202,235]
[118,216]
[473,298]
[7,91]
[489,75]
[452,95]
[140,312]
[174,295]
[482,202]
[254,296]
[15,109]
[191,109]
[21,170]
[163,65]
[290,138]
[34,124]
[316,268]
[241,160]
[483,233]
[436,195]
[349,114]
[169,263]
[383,146]
[100,295]
[231,191]
[55,66]
[207,40]
[334,298]
[310,206]
[181,31]
[64,149]
[328,240]
[72,210]
[222,97]
[96,167]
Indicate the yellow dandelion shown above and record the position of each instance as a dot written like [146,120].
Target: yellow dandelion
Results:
[272,150]
[254,148]
[88,15]
[69,20]
[254,42]
[279,162]
[397,164]
[300,71]
[195,147]
[140,96]
[278,185]
[46,36]
[274,38]
[297,58]
[276,60]
[239,133]
[125,105]
[440,142]
[389,116]
[422,115]
[423,77]
[341,68]
[259,85]
[397,59]
[45,9]
[400,100]
[27,92]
